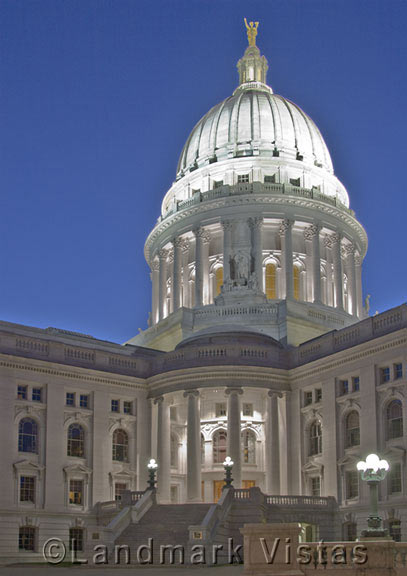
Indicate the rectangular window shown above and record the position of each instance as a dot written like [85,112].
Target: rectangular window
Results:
[37,395]
[356,383]
[398,371]
[127,407]
[394,484]
[247,409]
[26,538]
[343,387]
[173,413]
[308,398]
[218,183]
[318,394]
[270,179]
[22,392]
[115,405]
[76,539]
[27,489]
[70,398]
[352,484]
[220,409]
[119,488]
[76,492]
[384,374]
[316,486]
[84,401]
[295,181]
[243,178]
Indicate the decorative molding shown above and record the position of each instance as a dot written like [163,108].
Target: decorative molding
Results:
[311,231]
[285,225]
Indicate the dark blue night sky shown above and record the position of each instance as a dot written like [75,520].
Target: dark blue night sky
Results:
[97,98]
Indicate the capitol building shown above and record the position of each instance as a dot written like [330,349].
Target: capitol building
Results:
[259,346]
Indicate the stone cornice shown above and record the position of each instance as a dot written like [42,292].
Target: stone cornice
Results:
[256,201]
[69,372]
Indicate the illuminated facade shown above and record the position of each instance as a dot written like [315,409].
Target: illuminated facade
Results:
[259,347]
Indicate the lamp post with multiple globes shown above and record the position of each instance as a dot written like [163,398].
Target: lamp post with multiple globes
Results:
[373,471]
[152,469]
[228,465]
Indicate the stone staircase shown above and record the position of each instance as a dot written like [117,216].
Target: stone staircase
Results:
[165,525]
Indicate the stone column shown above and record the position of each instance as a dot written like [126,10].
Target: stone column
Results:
[227,245]
[206,239]
[256,225]
[328,251]
[193,447]
[359,295]
[272,444]
[176,276]
[163,450]
[162,283]
[155,267]
[312,234]
[185,274]
[286,234]
[234,447]
[338,276]
[351,267]
[199,273]
[143,438]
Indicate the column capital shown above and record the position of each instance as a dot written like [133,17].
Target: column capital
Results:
[285,225]
[200,232]
[358,259]
[256,222]
[162,254]
[155,265]
[171,255]
[312,231]
[350,249]
[194,393]
[226,224]
[178,242]
[336,238]
[229,391]
[159,400]
[274,394]
[185,245]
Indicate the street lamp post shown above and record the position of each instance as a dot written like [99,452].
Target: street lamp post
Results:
[228,465]
[152,469]
[373,471]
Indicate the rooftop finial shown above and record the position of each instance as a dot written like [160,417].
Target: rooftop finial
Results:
[251,32]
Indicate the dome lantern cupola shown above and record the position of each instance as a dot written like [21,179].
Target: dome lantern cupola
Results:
[253,66]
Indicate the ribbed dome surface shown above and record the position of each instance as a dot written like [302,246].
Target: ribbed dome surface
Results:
[254,119]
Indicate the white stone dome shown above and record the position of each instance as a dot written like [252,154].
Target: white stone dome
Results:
[254,122]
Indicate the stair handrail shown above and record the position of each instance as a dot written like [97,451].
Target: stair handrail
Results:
[216,513]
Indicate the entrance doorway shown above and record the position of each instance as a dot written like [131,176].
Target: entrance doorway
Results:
[217,489]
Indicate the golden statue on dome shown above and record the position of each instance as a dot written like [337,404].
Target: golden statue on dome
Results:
[251,32]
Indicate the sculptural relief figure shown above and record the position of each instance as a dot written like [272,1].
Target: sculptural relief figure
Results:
[242,266]
[251,32]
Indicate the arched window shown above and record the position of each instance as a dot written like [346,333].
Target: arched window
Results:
[174,451]
[219,446]
[28,436]
[352,429]
[315,438]
[249,447]
[219,279]
[394,420]
[296,282]
[76,441]
[271,291]
[120,446]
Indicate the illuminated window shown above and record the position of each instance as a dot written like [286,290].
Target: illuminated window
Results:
[27,489]
[352,429]
[394,420]
[76,441]
[22,392]
[249,446]
[296,282]
[76,492]
[28,436]
[120,446]
[271,291]
[119,488]
[26,538]
[315,438]
[219,446]
[219,279]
